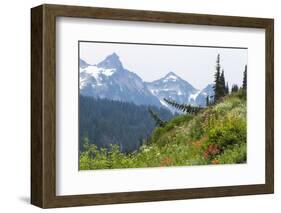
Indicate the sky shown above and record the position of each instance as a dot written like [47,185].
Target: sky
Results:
[151,62]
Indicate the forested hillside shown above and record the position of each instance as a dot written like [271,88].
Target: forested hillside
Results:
[103,122]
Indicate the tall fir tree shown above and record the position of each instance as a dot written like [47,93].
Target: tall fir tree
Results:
[226,89]
[216,86]
[234,88]
[207,100]
[244,85]
[222,84]
[219,83]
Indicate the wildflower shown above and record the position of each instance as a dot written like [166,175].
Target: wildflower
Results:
[199,143]
[212,150]
[206,154]
[167,161]
[215,161]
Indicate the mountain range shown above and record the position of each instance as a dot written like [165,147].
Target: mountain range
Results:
[110,80]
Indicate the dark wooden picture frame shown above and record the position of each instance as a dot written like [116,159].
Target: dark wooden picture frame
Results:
[43,105]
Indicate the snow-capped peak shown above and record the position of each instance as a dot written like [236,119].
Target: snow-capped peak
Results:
[111,61]
[170,77]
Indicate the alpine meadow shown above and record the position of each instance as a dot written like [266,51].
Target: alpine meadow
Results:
[149,105]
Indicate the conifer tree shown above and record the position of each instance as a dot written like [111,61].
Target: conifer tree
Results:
[234,88]
[207,100]
[222,84]
[184,107]
[218,89]
[244,85]
[156,118]
[86,142]
[226,89]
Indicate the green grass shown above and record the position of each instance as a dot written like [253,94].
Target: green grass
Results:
[216,135]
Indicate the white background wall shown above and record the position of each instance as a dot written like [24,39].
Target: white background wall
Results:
[15,105]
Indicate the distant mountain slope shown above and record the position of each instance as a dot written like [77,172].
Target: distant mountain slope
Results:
[199,98]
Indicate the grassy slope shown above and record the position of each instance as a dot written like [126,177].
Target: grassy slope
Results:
[216,135]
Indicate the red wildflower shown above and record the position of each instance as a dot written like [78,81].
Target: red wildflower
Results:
[212,150]
[167,161]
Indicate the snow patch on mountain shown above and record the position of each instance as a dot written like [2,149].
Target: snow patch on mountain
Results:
[170,78]
[96,72]
[192,97]
[164,103]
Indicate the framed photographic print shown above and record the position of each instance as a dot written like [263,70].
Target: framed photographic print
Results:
[136,106]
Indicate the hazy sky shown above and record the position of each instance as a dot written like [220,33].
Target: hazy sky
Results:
[151,62]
